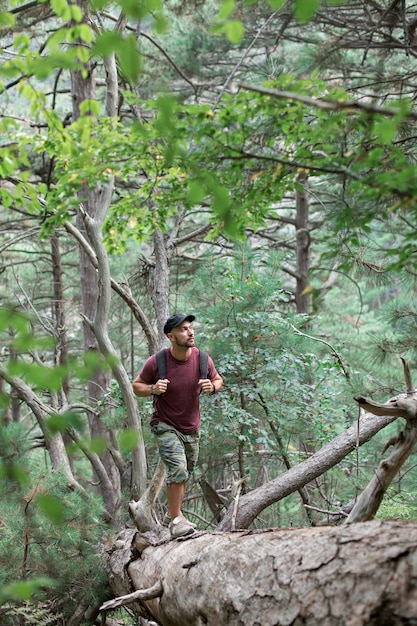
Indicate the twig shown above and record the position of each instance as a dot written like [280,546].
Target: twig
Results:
[336,354]
[325,511]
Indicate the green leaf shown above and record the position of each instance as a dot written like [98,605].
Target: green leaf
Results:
[128,440]
[6,19]
[51,507]
[226,9]
[86,33]
[15,319]
[76,13]
[386,130]
[234,31]
[196,193]
[98,4]
[37,374]
[139,10]
[81,32]
[221,200]
[90,106]
[60,422]
[14,472]
[107,43]
[61,9]
[57,38]
[130,58]
[21,42]
[305,9]
[97,445]
[4,400]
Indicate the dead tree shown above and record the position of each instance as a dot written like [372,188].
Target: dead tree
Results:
[326,576]
[354,574]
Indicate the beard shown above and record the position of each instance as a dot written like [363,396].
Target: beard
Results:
[186,343]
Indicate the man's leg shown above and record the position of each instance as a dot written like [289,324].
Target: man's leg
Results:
[175,496]
[178,525]
[172,448]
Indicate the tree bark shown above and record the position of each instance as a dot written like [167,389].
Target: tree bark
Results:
[329,576]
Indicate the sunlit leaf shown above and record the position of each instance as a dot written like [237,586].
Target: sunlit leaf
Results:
[234,31]
[6,19]
[62,9]
[226,9]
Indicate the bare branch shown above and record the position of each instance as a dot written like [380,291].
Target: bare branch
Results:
[407,375]
[142,594]
[398,407]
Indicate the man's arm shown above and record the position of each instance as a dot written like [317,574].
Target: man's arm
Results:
[143,389]
[211,385]
[217,383]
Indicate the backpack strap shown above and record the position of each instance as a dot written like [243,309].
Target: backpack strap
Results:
[161,362]
[203,364]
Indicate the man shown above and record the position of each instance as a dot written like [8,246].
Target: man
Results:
[176,418]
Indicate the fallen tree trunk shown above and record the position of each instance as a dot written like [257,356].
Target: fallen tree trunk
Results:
[351,575]
[254,502]
[356,574]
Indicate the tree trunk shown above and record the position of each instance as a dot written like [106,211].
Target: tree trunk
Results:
[302,296]
[160,293]
[82,89]
[59,310]
[329,576]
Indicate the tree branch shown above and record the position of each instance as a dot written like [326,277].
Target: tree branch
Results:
[328,105]
[397,407]
[142,594]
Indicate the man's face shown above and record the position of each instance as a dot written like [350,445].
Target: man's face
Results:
[183,335]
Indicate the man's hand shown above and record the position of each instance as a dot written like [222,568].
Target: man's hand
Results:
[160,387]
[206,385]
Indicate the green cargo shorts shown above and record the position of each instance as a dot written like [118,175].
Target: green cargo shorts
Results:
[178,451]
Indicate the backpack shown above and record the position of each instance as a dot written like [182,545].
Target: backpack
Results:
[161,361]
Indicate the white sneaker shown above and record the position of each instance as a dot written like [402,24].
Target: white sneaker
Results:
[180,527]
[167,520]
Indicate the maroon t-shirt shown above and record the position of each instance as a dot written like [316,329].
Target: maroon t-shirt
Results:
[179,406]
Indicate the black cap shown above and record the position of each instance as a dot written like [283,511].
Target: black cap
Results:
[176,320]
